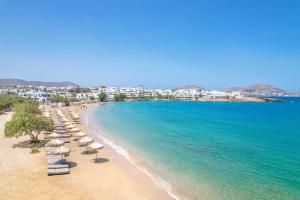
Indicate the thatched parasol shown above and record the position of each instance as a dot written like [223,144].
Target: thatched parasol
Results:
[55,143]
[52,135]
[79,135]
[63,151]
[95,146]
[85,141]
[75,130]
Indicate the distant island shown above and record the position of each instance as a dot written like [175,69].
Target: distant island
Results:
[259,90]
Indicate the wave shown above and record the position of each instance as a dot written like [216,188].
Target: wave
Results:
[165,185]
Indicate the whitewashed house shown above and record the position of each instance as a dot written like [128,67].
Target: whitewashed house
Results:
[40,96]
[111,92]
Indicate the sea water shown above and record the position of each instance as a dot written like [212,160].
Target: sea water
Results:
[212,150]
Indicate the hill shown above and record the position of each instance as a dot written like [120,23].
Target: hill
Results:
[20,82]
[192,87]
[259,90]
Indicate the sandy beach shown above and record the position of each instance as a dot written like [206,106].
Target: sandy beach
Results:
[23,174]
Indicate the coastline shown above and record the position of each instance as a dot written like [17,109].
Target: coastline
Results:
[240,100]
[24,175]
[122,156]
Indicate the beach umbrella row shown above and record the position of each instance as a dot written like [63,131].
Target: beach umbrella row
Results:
[84,140]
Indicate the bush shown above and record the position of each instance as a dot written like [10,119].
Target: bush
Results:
[27,121]
[58,99]
[24,123]
[29,106]
[120,97]
[8,100]
[92,98]
[34,150]
[102,96]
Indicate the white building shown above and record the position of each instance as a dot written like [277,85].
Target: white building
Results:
[87,95]
[36,95]
[215,94]
[187,93]
[132,92]
[111,92]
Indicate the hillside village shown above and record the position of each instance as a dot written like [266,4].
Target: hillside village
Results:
[43,94]
[44,91]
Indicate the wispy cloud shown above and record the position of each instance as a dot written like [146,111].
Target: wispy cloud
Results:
[88,19]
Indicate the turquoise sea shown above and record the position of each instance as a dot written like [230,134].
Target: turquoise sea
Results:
[212,150]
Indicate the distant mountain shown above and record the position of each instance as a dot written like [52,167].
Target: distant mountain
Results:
[192,87]
[20,82]
[259,90]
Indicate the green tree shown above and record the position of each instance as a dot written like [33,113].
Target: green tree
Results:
[120,97]
[67,102]
[8,100]
[102,96]
[92,98]
[29,106]
[24,123]
[58,99]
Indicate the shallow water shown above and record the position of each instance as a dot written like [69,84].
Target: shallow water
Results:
[212,150]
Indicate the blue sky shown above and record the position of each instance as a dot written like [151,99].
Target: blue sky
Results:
[214,44]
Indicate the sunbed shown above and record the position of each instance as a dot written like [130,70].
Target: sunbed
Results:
[66,140]
[58,166]
[65,135]
[58,171]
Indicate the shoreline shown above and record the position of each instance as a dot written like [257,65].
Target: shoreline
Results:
[24,175]
[224,100]
[117,148]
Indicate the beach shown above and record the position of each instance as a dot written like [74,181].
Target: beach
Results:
[24,175]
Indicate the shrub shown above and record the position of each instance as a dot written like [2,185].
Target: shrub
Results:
[24,123]
[102,96]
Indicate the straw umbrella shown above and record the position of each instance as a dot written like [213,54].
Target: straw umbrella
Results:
[67,123]
[55,143]
[80,135]
[60,128]
[70,126]
[85,141]
[96,146]
[60,131]
[75,130]
[64,120]
[52,135]
[58,125]
[63,151]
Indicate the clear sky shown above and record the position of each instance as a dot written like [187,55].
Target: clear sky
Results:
[154,43]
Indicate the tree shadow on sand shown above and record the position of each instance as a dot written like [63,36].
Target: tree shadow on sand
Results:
[28,144]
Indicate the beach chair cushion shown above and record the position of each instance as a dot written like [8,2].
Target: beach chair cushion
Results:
[58,171]
[51,166]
